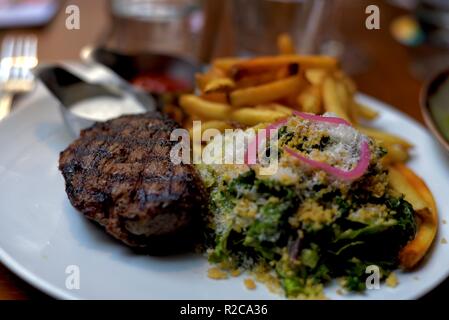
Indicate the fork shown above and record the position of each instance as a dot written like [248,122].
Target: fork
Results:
[17,58]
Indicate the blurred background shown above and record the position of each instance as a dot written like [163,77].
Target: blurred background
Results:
[390,62]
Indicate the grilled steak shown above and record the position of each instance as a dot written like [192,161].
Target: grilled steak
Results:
[119,174]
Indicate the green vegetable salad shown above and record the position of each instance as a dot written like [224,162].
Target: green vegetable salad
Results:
[302,226]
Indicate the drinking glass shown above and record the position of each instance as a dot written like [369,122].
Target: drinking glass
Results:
[257,24]
[162,26]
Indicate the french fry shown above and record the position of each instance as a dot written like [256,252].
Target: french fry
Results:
[350,84]
[266,93]
[291,69]
[259,79]
[219,125]
[285,44]
[415,191]
[331,100]
[421,187]
[268,63]
[276,107]
[365,112]
[385,137]
[400,183]
[216,124]
[397,147]
[346,100]
[204,109]
[315,76]
[253,116]
[202,79]
[245,79]
[219,85]
[281,108]
[225,64]
[395,154]
[309,100]
[220,97]
[344,96]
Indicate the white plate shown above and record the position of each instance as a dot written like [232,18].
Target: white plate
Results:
[41,234]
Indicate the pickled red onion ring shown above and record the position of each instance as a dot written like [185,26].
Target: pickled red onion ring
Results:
[316,118]
[357,172]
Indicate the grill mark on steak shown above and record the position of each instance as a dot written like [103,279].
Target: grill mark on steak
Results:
[119,174]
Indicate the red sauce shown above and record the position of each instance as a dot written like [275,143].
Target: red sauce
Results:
[160,83]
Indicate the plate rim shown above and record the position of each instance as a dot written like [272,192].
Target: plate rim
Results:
[51,290]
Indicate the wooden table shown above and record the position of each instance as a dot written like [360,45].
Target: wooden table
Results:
[386,76]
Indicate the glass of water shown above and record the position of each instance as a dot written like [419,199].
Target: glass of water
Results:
[162,26]
[258,23]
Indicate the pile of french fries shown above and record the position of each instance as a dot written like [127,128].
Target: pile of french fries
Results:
[237,92]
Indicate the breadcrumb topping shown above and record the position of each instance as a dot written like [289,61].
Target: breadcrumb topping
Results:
[313,215]
[217,274]
[392,280]
[249,284]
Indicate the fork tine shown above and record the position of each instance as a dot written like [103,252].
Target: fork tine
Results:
[6,57]
[6,54]
[32,40]
[17,57]
[26,46]
[30,57]
[24,60]
[31,52]
[7,46]
[18,48]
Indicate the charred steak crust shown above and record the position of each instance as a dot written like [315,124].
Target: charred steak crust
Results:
[119,174]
